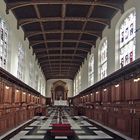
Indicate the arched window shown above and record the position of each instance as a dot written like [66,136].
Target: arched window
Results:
[91,70]
[127,41]
[3,44]
[103,59]
[21,60]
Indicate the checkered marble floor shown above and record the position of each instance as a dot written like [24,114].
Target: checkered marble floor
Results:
[83,127]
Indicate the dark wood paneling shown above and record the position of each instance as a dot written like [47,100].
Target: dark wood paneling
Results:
[17,104]
[115,101]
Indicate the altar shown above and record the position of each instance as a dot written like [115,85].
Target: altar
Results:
[60,103]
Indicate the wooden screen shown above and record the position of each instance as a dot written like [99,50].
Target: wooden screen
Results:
[23,99]
[92,97]
[7,94]
[117,92]
[106,94]
[17,96]
[98,96]
[1,91]
[128,85]
[135,90]
[28,98]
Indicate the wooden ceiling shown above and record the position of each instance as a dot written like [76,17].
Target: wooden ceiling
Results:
[62,32]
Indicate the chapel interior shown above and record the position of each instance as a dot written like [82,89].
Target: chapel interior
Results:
[69,70]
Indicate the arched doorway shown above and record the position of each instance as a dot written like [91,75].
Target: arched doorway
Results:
[59,90]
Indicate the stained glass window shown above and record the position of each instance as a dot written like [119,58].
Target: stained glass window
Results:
[3,44]
[127,39]
[91,70]
[21,60]
[103,59]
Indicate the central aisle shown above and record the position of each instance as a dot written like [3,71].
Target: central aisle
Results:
[84,129]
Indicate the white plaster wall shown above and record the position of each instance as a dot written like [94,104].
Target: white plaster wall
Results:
[112,64]
[16,36]
[84,75]
[68,82]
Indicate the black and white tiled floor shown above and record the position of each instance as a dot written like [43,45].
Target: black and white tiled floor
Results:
[84,128]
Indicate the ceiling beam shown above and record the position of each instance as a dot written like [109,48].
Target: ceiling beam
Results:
[79,60]
[82,54]
[63,64]
[64,67]
[57,65]
[54,62]
[88,42]
[57,69]
[47,70]
[57,72]
[60,77]
[92,33]
[57,58]
[77,55]
[113,5]
[26,21]
[42,28]
[39,50]
[90,11]
[74,69]
[63,14]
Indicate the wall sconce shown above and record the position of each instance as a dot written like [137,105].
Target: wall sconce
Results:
[117,85]
[91,94]
[6,87]
[105,89]
[24,93]
[137,79]
[17,90]
[97,92]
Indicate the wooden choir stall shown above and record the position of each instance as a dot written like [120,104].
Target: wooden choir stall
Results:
[18,102]
[114,101]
